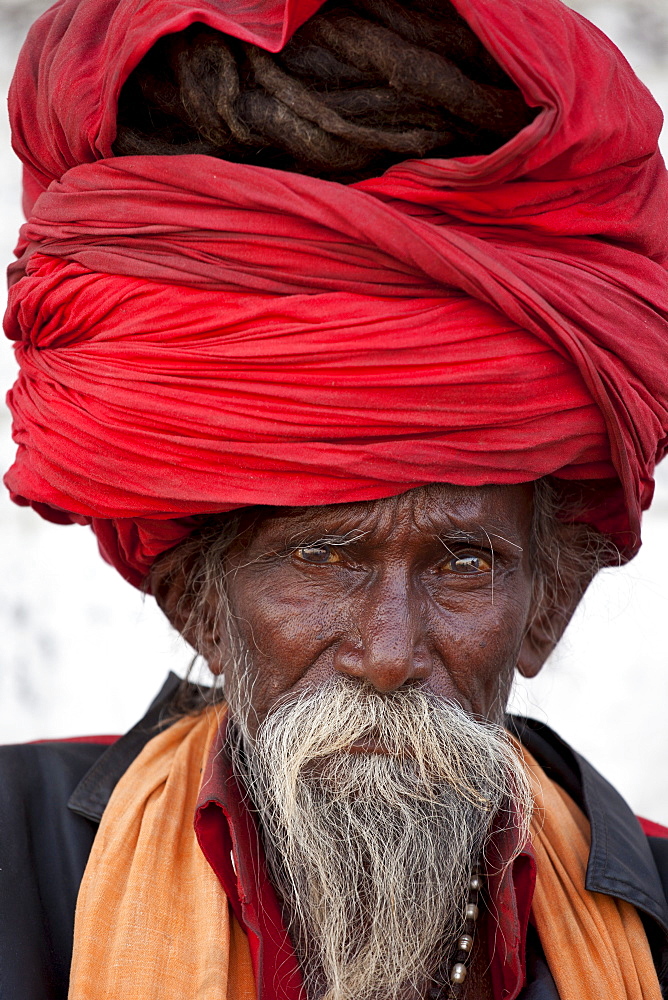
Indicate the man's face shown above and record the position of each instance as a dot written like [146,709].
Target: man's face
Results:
[366,639]
[433,586]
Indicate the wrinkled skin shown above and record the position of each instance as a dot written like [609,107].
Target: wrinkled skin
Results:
[431,587]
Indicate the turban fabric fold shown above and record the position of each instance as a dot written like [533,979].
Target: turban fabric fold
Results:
[196,335]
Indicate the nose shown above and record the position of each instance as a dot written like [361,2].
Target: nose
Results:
[388,645]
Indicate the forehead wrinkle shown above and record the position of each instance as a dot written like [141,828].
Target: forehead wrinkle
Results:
[330,523]
[492,531]
[411,512]
[364,514]
[440,510]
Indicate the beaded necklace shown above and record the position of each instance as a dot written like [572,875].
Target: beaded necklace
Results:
[457,968]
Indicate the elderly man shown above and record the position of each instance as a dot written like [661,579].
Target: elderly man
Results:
[344,326]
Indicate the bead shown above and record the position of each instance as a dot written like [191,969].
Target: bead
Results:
[458,973]
[471,911]
[465,943]
[476,882]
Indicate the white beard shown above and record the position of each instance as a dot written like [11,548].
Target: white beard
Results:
[372,853]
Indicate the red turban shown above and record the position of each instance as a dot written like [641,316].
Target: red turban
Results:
[196,335]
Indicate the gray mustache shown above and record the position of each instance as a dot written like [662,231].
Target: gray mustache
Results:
[372,853]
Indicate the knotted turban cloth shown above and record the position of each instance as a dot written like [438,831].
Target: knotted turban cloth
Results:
[196,335]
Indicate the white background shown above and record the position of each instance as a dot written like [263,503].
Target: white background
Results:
[81,651]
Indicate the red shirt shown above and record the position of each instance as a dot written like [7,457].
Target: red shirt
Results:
[228,835]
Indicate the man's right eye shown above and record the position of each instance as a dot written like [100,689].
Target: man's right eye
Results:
[317,555]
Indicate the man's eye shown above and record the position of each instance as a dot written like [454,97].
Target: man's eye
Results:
[468,565]
[319,555]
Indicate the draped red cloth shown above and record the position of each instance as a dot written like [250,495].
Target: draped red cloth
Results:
[195,335]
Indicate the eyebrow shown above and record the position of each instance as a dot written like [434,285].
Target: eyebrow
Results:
[328,539]
[475,537]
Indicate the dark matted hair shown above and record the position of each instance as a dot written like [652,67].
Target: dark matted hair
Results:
[362,85]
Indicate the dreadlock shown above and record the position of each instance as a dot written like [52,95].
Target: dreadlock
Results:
[362,85]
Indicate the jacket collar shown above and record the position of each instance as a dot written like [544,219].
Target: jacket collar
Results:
[621,863]
[91,795]
[620,860]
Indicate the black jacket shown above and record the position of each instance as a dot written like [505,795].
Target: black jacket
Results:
[52,796]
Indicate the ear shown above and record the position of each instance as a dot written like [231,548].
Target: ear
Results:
[553,607]
[538,643]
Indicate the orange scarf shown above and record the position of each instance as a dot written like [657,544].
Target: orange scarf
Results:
[595,945]
[153,922]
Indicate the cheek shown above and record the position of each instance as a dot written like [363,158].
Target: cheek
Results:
[287,627]
[479,645]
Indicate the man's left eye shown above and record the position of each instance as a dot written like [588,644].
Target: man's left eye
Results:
[469,565]
[318,555]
